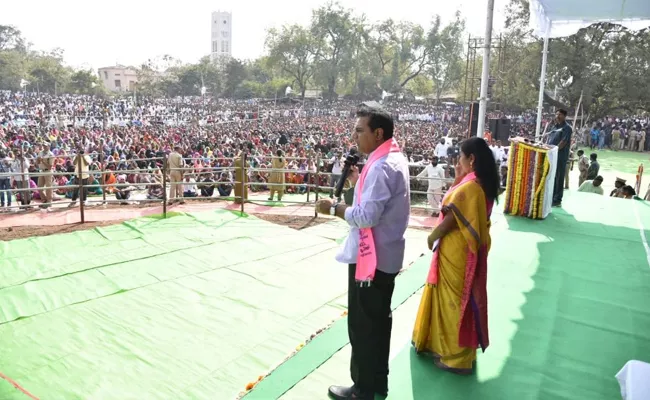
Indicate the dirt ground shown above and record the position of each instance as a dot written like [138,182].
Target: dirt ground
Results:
[21,232]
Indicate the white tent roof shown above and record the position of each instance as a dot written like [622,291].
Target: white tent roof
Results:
[559,18]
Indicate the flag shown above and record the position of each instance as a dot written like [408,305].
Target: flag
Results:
[203,89]
[288,91]
[23,83]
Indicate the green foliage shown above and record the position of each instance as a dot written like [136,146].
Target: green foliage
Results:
[44,71]
[341,53]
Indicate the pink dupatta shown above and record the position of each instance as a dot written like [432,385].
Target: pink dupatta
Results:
[473,327]
[367,256]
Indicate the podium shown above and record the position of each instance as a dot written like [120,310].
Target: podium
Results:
[531,177]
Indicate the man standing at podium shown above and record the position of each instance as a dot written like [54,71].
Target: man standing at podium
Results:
[560,136]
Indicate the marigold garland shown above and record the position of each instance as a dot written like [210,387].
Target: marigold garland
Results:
[528,169]
[251,385]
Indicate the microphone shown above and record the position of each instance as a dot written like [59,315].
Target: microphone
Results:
[351,159]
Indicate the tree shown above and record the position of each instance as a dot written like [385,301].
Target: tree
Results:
[236,74]
[333,26]
[47,72]
[11,39]
[413,50]
[445,55]
[84,82]
[294,51]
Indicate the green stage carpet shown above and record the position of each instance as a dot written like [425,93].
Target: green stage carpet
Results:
[568,307]
[190,307]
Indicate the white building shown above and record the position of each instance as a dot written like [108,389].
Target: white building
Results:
[118,78]
[221,36]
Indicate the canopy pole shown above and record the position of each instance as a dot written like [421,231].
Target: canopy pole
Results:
[542,81]
[485,73]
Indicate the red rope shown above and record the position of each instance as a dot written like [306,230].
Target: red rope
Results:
[17,386]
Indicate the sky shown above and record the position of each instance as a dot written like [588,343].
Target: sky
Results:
[128,32]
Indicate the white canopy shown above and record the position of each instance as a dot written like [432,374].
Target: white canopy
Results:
[567,17]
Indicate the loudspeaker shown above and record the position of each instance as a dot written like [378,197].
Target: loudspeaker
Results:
[500,128]
[473,119]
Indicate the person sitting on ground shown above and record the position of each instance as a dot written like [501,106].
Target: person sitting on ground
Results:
[629,193]
[155,192]
[592,186]
[619,184]
[189,186]
[225,185]
[207,186]
[123,192]
[94,188]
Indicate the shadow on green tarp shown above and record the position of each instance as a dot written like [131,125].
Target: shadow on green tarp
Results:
[584,317]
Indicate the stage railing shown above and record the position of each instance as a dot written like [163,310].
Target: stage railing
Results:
[158,174]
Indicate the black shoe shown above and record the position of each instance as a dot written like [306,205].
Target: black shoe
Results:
[556,204]
[348,393]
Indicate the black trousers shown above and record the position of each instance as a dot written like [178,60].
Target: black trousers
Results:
[370,322]
[558,189]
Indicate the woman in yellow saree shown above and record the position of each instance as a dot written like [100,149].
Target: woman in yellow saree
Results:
[452,319]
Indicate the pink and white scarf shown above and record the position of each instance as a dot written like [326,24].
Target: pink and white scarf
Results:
[367,256]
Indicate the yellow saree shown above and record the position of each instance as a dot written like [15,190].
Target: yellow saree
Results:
[452,318]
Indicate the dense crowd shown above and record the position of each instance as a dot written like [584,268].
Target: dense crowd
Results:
[128,139]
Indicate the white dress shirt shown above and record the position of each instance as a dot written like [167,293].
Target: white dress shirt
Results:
[385,207]
[433,172]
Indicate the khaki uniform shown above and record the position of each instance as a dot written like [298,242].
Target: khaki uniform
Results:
[175,162]
[46,161]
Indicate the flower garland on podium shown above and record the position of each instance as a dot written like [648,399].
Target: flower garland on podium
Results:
[528,168]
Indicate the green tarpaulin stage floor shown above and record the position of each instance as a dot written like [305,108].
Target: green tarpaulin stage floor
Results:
[568,301]
[190,307]
[196,306]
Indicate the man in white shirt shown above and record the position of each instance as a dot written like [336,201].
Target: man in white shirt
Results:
[20,167]
[441,149]
[498,152]
[337,169]
[189,186]
[436,177]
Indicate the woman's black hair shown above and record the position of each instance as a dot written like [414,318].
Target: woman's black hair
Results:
[279,153]
[485,167]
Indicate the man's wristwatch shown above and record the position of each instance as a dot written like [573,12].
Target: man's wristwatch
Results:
[333,209]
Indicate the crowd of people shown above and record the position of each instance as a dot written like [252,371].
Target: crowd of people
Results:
[118,146]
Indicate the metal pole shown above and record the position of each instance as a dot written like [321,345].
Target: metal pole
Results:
[243,180]
[469,39]
[101,169]
[23,194]
[308,176]
[542,81]
[317,176]
[80,188]
[164,185]
[485,74]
